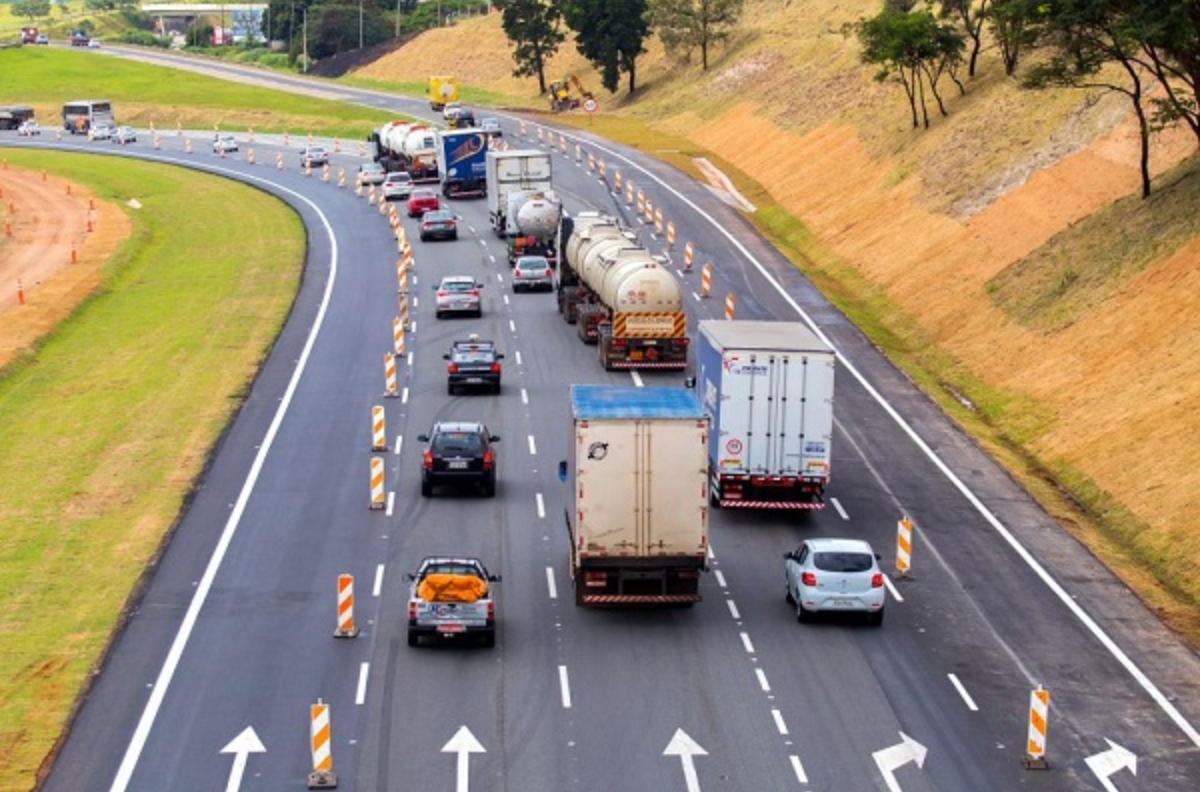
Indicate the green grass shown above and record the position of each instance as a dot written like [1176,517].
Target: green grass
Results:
[109,422]
[142,93]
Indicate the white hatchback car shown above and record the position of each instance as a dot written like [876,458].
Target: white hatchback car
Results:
[226,143]
[102,131]
[371,173]
[840,575]
[458,294]
[397,186]
[532,273]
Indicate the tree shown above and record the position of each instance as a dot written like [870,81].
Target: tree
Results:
[914,47]
[1086,36]
[31,9]
[684,25]
[1013,24]
[532,27]
[970,15]
[1168,32]
[610,34]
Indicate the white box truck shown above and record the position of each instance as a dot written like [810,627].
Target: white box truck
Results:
[513,169]
[638,512]
[768,389]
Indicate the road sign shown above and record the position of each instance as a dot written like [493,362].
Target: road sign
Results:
[590,105]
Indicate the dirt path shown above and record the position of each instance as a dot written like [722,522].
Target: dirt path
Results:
[35,260]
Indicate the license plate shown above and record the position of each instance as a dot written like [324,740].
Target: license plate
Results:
[474,381]
[842,602]
[451,628]
[457,465]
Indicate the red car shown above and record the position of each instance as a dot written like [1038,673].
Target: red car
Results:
[422,201]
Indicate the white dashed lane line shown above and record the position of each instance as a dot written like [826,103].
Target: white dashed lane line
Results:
[721,578]
[801,776]
[512,326]
[391,502]
[837,504]
[962,691]
[377,589]
[733,609]
[565,684]
[762,680]
[887,581]
[541,507]
[637,378]
[747,643]
[404,396]
[532,446]
[524,397]
[550,585]
[779,724]
[360,696]
[517,355]
[399,444]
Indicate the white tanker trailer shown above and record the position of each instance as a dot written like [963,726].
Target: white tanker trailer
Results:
[408,147]
[532,224]
[624,300]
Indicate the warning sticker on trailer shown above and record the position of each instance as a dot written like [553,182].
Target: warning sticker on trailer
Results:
[733,446]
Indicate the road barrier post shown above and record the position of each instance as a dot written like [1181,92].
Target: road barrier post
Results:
[550,138]
[307,169]
[376,483]
[524,130]
[389,376]
[74,252]
[641,203]
[345,604]
[337,146]
[649,216]
[378,430]
[187,145]
[362,149]
[705,280]
[628,193]
[1039,716]
[278,162]
[403,284]
[325,173]
[904,531]
[578,153]
[689,254]
[322,775]
[285,137]
[250,156]
[730,306]
[591,162]
[371,195]
[358,187]
[157,142]
[398,336]
[600,169]
[562,144]
[658,221]
[671,235]
[250,135]
[617,181]
[404,310]
[541,135]
[90,225]
[341,177]
[310,138]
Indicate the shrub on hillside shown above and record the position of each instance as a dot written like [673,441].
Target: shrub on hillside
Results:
[144,38]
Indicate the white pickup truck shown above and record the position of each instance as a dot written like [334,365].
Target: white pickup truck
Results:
[451,598]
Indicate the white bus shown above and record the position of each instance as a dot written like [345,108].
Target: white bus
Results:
[81,115]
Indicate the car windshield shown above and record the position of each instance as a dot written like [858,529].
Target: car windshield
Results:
[843,561]
[457,443]
[458,286]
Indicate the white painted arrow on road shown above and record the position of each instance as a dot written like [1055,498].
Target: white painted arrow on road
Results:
[1107,763]
[464,744]
[889,760]
[685,748]
[241,747]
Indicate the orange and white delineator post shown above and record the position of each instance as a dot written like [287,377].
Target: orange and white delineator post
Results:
[341,177]
[279,161]
[1039,716]
[310,138]
[345,608]
[362,149]
[689,255]
[322,775]
[670,235]
[404,310]
[378,429]
[157,142]
[383,205]
[550,138]
[307,169]
[641,203]
[187,145]
[578,153]
[398,336]
[705,280]
[376,483]
[371,195]
[337,146]
[524,129]
[591,162]
[325,173]
[541,134]
[285,138]
[617,180]
[730,306]
[402,287]
[389,376]
[649,217]
[358,187]
[562,144]
[600,169]
[250,156]
[628,193]
[904,532]
[658,221]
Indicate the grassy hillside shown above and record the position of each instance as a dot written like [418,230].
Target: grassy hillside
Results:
[998,256]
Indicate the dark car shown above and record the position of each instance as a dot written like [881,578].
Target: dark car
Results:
[422,200]
[438,224]
[458,454]
[473,363]
[462,118]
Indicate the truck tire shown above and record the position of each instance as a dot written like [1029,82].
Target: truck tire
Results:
[414,638]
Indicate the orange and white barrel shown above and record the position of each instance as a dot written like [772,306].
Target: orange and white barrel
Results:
[398,336]
[658,221]
[322,775]
[378,430]
[1039,717]
[389,375]
[730,306]
[705,280]
[345,604]
[689,254]
[671,234]
[904,532]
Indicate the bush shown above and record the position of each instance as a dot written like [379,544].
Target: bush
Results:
[144,38]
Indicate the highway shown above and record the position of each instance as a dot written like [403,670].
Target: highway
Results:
[235,629]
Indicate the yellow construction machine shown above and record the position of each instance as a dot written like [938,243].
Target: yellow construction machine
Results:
[567,94]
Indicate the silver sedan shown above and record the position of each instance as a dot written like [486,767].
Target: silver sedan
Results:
[835,575]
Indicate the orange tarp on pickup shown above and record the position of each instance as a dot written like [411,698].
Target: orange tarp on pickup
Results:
[451,588]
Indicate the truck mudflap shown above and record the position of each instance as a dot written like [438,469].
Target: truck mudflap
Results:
[768,504]
[671,365]
[639,599]
[769,492]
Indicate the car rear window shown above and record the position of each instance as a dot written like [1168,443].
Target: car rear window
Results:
[458,286]
[458,442]
[843,562]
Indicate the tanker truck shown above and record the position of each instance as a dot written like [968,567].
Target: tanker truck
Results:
[532,220]
[624,300]
[514,169]
[401,146]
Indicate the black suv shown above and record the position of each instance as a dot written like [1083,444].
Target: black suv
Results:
[473,363]
[458,453]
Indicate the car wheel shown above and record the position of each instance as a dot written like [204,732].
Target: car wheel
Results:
[875,619]
[801,614]
[454,237]
[438,314]
[788,595]
[426,489]
[414,638]
[496,388]
[489,489]
[488,639]
[478,313]
[450,390]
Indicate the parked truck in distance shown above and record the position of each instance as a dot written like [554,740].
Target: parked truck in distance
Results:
[638,510]
[511,170]
[451,597]
[619,296]
[462,161]
[406,147]
[442,91]
[767,388]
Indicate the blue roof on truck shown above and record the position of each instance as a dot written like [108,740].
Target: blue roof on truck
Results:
[597,402]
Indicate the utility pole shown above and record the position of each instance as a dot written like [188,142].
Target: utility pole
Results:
[397,19]
[360,24]
[304,32]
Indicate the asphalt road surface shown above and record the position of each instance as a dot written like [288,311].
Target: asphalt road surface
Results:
[235,631]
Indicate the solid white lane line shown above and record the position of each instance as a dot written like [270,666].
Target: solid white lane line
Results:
[517,354]
[399,444]
[837,504]
[801,776]
[733,609]
[541,506]
[364,671]
[962,691]
[524,397]
[404,396]
[746,643]
[779,724]
[512,326]
[391,501]
[565,684]
[720,578]
[550,585]
[887,581]
[762,680]
[378,587]
[637,378]
[532,446]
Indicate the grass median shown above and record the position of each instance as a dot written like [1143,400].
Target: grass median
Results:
[107,425]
